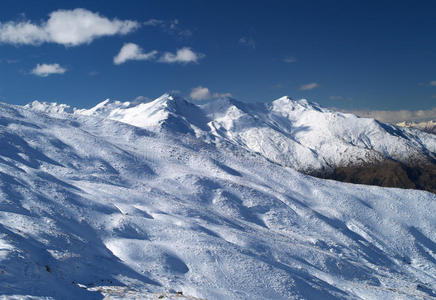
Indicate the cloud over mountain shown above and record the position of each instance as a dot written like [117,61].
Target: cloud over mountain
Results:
[183,55]
[203,93]
[309,86]
[44,70]
[132,51]
[65,27]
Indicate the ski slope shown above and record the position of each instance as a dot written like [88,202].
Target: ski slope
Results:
[92,207]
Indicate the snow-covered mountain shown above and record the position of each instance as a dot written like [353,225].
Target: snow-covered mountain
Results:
[427,126]
[297,134]
[93,207]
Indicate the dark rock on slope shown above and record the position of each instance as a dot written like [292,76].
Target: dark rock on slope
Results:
[388,173]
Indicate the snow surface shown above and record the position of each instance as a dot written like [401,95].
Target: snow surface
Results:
[427,126]
[92,207]
[297,134]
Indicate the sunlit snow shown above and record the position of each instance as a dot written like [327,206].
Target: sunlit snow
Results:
[192,200]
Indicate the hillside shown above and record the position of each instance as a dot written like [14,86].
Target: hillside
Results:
[93,207]
[293,133]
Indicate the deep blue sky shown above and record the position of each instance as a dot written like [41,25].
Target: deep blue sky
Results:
[361,54]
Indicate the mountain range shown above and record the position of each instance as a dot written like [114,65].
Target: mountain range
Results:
[427,126]
[297,134]
[170,199]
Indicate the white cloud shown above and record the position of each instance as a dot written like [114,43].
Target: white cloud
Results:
[309,86]
[289,59]
[184,55]
[394,116]
[66,27]
[203,93]
[432,83]
[200,93]
[22,33]
[43,70]
[132,51]
[247,41]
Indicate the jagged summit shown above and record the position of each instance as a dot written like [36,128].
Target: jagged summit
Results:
[286,103]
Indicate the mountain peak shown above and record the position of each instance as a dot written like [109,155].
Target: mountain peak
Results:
[295,133]
[286,103]
[170,101]
[170,96]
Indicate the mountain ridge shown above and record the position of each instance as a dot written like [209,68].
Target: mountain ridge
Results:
[91,207]
[427,126]
[292,133]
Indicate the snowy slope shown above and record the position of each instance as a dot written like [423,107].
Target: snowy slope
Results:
[92,207]
[292,133]
[427,126]
[307,137]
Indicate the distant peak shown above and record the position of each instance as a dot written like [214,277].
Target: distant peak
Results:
[287,102]
[287,99]
[101,104]
[284,98]
[172,96]
[165,96]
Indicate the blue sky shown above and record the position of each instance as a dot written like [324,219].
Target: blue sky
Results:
[345,54]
